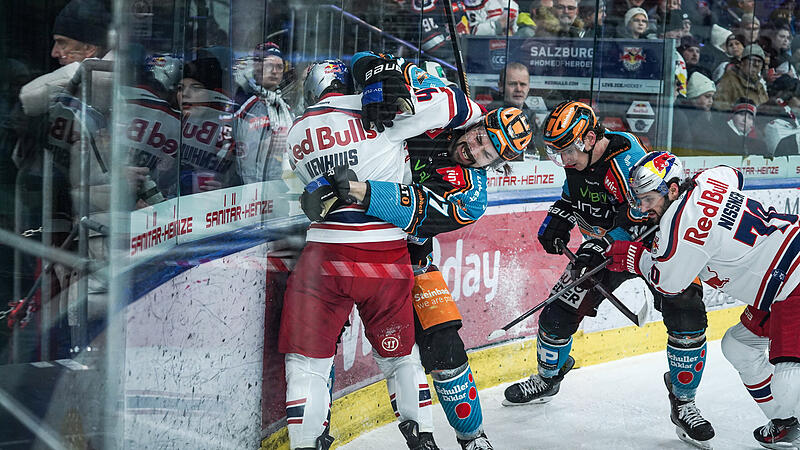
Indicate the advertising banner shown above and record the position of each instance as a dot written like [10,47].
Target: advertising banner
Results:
[615,65]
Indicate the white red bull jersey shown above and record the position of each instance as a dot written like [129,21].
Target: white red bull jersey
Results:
[482,14]
[731,241]
[207,137]
[330,134]
[152,134]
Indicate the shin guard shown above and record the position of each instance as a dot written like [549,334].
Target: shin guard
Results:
[408,388]
[458,395]
[746,352]
[307,398]
[551,353]
[686,355]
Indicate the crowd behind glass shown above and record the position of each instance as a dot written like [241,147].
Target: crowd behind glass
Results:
[207,117]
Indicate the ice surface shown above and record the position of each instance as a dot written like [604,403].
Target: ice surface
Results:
[617,405]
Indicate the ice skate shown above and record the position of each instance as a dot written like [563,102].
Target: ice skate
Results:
[536,389]
[478,443]
[690,425]
[779,433]
[415,439]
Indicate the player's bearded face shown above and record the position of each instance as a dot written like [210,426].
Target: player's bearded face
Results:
[654,204]
[473,148]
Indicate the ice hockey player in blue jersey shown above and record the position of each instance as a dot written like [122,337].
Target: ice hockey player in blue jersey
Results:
[594,197]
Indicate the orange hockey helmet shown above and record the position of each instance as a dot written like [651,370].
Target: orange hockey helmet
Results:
[509,131]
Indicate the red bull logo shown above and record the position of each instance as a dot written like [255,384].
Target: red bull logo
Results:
[632,58]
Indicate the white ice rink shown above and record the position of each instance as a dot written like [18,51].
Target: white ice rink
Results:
[617,405]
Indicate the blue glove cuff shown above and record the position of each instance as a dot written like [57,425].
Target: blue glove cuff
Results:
[373,93]
[316,184]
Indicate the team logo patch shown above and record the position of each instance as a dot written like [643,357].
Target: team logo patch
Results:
[390,343]
[453,175]
[716,282]
[632,58]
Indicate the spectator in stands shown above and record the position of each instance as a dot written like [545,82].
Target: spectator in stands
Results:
[673,29]
[749,28]
[593,17]
[743,81]
[739,135]
[781,128]
[566,11]
[733,48]
[635,25]
[541,16]
[776,46]
[492,17]
[616,17]
[731,13]
[693,118]
[689,48]
[263,120]
[715,45]
[208,148]
[514,86]
[701,16]
[658,14]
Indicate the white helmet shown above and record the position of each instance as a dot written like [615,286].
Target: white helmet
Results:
[653,172]
[322,75]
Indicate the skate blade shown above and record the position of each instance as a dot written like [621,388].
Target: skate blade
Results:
[782,445]
[537,401]
[686,438]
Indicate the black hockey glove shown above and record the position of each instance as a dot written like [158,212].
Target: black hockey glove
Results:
[323,193]
[589,255]
[556,226]
[385,94]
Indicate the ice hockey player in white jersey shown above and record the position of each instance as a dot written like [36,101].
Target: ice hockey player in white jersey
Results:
[710,229]
[331,134]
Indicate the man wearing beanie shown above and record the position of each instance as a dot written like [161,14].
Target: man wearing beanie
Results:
[264,120]
[743,81]
[79,32]
[693,117]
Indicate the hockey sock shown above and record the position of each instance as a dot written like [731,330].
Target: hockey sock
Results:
[686,355]
[786,388]
[459,398]
[408,388]
[747,354]
[307,398]
[551,353]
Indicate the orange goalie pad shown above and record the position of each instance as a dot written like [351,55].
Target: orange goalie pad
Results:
[432,300]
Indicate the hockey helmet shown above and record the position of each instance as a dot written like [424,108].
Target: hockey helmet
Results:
[323,75]
[653,172]
[509,131]
[566,126]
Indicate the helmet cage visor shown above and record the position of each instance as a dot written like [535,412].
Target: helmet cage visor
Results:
[557,154]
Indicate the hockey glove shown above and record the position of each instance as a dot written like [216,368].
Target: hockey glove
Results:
[589,255]
[556,226]
[323,193]
[385,94]
[626,256]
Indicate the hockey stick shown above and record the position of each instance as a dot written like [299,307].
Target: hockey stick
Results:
[637,319]
[502,331]
[462,75]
